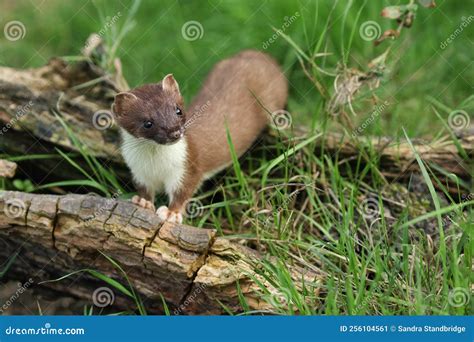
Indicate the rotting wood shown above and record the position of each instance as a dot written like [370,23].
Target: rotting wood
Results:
[194,270]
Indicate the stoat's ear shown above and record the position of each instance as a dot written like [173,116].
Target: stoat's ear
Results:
[170,85]
[122,102]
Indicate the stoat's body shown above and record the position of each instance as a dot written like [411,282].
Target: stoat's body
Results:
[159,168]
[172,151]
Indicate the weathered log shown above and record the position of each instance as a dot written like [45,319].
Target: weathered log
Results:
[33,100]
[29,100]
[397,157]
[194,270]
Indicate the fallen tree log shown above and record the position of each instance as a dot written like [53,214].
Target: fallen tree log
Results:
[81,94]
[397,159]
[195,271]
[32,100]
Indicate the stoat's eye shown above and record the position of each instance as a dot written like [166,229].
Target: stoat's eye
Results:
[147,124]
[178,111]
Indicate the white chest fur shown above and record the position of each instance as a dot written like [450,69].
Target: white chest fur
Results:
[156,167]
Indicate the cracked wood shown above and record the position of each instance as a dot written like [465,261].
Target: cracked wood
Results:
[193,269]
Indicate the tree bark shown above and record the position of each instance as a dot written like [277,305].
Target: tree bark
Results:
[31,101]
[194,270]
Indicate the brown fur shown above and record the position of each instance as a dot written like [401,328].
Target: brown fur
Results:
[155,103]
[228,97]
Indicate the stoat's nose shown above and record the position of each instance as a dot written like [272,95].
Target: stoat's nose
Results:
[176,134]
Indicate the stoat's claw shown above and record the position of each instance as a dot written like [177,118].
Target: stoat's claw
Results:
[141,202]
[168,215]
[163,212]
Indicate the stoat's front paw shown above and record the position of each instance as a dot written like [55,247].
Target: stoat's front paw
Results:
[168,215]
[140,201]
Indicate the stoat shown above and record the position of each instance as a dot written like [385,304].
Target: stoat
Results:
[173,149]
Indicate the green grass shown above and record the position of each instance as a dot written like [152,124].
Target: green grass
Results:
[301,206]
[154,47]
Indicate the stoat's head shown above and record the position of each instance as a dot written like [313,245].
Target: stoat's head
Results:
[152,111]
